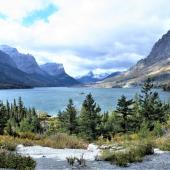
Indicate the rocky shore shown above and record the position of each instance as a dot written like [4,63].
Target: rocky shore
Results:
[55,159]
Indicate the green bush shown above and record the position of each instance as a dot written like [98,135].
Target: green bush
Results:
[30,135]
[122,158]
[11,146]
[163,143]
[14,161]
[165,146]
[129,155]
[158,130]
[144,131]
[108,156]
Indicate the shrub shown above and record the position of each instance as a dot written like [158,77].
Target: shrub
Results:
[61,140]
[81,162]
[122,158]
[158,131]
[58,140]
[129,155]
[14,161]
[144,131]
[108,156]
[163,143]
[8,145]
[71,160]
[30,135]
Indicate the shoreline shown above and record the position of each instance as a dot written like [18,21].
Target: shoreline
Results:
[50,158]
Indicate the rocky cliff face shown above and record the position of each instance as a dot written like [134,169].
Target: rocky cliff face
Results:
[156,65]
[6,59]
[10,75]
[53,69]
[58,73]
[22,70]
[24,62]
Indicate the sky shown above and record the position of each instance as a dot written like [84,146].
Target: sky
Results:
[84,35]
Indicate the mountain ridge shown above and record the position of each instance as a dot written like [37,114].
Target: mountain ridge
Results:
[90,77]
[23,70]
[156,66]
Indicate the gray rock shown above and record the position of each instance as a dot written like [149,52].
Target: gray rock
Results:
[53,69]
[24,62]
[56,159]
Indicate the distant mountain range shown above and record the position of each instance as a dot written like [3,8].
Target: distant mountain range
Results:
[93,78]
[19,70]
[156,66]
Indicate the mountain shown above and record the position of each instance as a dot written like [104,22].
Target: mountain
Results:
[10,75]
[6,59]
[156,66]
[53,69]
[58,73]
[114,74]
[24,62]
[91,78]
[94,78]
[18,70]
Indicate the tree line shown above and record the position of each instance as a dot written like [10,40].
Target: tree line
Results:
[16,118]
[145,110]
[166,87]
[130,115]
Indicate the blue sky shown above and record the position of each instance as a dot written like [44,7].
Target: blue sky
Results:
[84,35]
[40,14]
[2,16]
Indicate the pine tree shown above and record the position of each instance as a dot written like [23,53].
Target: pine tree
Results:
[68,119]
[21,109]
[152,109]
[71,117]
[90,118]
[105,128]
[11,127]
[125,112]
[3,117]
[8,109]
[25,125]
[137,117]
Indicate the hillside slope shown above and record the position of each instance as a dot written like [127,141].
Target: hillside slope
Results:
[21,70]
[156,65]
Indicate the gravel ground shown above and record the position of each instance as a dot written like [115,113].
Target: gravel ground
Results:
[55,159]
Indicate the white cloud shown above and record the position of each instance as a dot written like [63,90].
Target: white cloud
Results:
[87,34]
[17,9]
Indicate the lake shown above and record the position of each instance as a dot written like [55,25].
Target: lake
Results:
[53,99]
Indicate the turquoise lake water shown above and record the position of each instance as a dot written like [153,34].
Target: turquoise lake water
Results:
[53,99]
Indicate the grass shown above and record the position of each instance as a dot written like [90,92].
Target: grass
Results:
[63,141]
[55,141]
[14,161]
[131,154]
[8,145]
[163,143]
